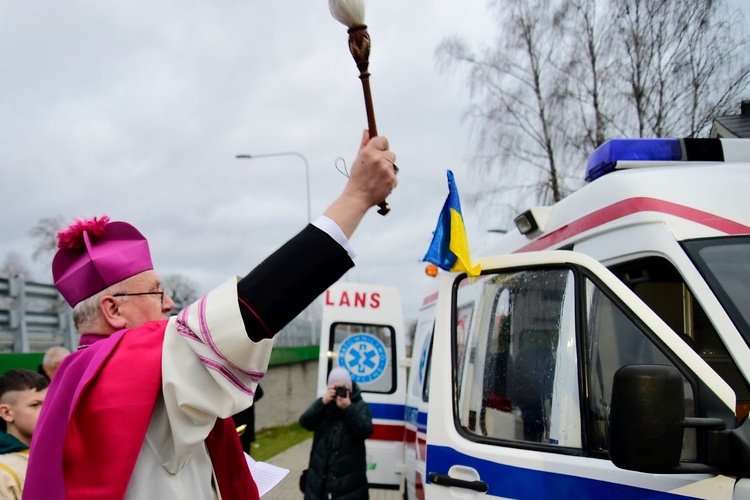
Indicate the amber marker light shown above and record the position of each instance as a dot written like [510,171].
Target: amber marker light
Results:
[431,270]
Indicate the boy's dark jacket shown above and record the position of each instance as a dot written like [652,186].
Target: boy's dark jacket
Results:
[9,444]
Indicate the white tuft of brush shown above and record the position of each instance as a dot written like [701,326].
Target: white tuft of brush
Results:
[350,13]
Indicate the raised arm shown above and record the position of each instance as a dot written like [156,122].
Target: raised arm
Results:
[287,281]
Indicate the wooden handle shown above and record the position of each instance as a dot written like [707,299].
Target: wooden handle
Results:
[383,207]
[359,46]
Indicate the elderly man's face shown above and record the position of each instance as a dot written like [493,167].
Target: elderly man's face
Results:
[143,299]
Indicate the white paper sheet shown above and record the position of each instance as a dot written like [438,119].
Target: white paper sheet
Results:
[266,475]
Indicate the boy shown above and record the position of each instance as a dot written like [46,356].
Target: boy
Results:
[21,395]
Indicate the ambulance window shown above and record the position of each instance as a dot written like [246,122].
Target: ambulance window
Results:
[464,315]
[519,369]
[656,282]
[368,352]
[428,369]
[421,376]
[724,264]
[614,341]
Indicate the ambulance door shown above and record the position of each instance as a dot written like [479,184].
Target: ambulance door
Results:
[417,400]
[526,416]
[363,331]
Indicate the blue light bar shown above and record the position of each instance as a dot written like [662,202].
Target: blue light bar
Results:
[605,158]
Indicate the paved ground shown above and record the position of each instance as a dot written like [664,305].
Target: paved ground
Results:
[295,459]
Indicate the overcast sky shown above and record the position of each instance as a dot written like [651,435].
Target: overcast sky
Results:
[136,109]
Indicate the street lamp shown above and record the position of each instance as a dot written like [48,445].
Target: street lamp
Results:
[288,153]
[313,337]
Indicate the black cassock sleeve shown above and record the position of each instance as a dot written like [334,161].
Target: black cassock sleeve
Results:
[289,280]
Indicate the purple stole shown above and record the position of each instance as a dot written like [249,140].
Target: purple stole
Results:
[95,416]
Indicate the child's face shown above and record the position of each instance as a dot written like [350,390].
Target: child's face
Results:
[20,409]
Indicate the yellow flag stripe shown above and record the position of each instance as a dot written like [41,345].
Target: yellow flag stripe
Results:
[459,245]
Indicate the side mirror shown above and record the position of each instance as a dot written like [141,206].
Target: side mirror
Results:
[645,415]
[647,419]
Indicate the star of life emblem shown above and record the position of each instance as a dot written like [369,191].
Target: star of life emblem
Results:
[364,356]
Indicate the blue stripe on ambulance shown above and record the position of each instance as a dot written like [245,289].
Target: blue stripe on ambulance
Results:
[516,482]
[386,411]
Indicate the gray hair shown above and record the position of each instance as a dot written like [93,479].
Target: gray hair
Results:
[54,355]
[87,312]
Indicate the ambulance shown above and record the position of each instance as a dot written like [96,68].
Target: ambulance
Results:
[604,351]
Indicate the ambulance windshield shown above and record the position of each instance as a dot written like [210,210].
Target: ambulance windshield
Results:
[725,264]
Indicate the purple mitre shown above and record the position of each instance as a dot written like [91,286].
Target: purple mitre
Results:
[95,254]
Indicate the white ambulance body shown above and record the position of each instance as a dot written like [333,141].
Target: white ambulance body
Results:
[536,378]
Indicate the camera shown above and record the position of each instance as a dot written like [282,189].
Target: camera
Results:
[342,391]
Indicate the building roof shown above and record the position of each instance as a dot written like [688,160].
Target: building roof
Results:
[733,126]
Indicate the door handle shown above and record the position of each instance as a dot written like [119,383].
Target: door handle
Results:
[446,480]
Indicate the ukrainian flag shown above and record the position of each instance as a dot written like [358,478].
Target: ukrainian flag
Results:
[449,249]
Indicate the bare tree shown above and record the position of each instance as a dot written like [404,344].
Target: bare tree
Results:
[684,62]
[45,232]
[715,78]
[566,75]
[181,289]
[591,106]
[677,64]
[14,266]
[521,93]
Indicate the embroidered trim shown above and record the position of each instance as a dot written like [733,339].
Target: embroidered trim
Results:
[230,376]
[183,328]
[207,337]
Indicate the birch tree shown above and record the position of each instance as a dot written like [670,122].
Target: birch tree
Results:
[684,62]
[563,76]
[519,110]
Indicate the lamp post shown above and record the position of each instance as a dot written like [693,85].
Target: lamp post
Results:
[309,218]
[288,153]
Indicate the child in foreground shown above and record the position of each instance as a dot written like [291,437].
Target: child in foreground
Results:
[22,393]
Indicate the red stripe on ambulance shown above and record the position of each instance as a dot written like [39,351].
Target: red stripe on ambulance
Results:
[631,206]
[383,432]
